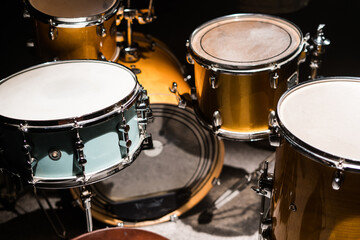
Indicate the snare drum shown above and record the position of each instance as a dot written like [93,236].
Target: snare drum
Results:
[242,65]
[317,169]
[70,123]
[174,176]
[81,29]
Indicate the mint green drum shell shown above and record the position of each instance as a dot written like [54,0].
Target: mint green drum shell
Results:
[44,152]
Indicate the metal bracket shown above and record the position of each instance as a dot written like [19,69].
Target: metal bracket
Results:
[53,31]
[274,77]
[179,97]
[100,29]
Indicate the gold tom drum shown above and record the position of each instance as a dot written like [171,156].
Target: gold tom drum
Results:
[67,29]
[179,171]
[317,168]
[242,65]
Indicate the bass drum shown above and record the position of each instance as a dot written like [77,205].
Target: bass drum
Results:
[179,171]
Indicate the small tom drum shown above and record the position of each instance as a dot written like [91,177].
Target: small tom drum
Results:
[82,29]
[70,123]
[317,168]
[242,65]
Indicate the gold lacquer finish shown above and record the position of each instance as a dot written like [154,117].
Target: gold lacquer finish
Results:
[243,100]
[304,204]
[76,42]
[158,69]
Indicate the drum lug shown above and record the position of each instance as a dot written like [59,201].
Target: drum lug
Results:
[292,80]
[274,136]
[174,218]
[213,82]
[338,179]
[100,29]
[274,78]
[216,121]
[189,58]
[79,148]
[179,97]
[53,31]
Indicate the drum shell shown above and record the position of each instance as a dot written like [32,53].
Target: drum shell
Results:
[102,151]
[305,206]
[244,100]
[75,42]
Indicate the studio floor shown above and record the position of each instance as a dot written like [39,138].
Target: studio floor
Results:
[22,217]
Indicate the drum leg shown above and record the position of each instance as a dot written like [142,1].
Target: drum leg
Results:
[233,191]
[86,201]
[61,232]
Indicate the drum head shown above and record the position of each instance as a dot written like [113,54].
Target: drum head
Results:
[245,40]
[120,234]
[324,115]
[71,8]
[65,90]
[170,178]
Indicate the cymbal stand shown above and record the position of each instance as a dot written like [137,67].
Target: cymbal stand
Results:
[129,51]
[234,190]
[86,202]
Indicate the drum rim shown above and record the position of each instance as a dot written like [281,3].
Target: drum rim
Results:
[251,68]
[67,22]
[77,121]
[200,190]
[311,151]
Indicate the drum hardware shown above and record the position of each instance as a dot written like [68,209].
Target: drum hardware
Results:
[129,50]
[264,189]
[56,225]
[85,197]
[317,50]
[180,98]
[260,174]
[274,77]
[53,31]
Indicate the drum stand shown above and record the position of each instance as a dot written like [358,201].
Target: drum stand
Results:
[86,202]
[234,190]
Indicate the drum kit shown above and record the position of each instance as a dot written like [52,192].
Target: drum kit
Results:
[105,100]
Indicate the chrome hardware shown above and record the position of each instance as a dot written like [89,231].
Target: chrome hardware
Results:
[54,154]
[216,181]
[274,136]
[101,56]
[338,180]
[317,49]
[193,94]
[216,120]
[174,218]
[53,31]
[265,183]
[179,97]
[213,81]
[292,80]
[274,78]
[135,70]
[79,148]
[26,14]
[100,29]
[86,202]
[143,109]
[30,43]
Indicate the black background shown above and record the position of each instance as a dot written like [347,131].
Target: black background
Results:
[176,20]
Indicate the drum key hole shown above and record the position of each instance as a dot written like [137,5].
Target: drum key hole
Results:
[55,154]
[292,207]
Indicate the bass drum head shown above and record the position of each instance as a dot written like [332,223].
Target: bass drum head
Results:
[164,181]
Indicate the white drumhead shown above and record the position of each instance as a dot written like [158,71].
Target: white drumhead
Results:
[72,8]
[246,40]
[325,114]
[63,90]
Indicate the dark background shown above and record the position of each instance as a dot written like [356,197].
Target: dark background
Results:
[176,20]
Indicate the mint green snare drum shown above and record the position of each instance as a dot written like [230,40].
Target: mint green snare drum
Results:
[71,123]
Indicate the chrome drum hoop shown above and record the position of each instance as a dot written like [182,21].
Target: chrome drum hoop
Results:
[77,22]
